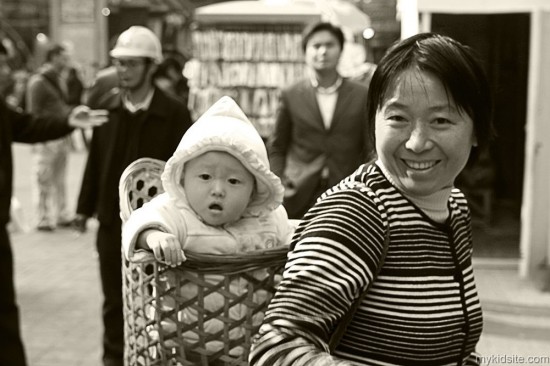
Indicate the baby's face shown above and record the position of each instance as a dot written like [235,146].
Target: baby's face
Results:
[218,187]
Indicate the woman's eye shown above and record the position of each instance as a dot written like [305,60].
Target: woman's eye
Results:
[441,121]
[396,118]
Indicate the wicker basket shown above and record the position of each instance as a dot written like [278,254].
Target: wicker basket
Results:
[157,328]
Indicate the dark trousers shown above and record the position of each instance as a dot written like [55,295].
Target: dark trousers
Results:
[297,207]
[11,346]
[110,268]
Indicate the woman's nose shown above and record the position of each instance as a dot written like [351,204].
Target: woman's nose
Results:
[420,138]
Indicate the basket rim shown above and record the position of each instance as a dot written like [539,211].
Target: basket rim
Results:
[204,259]
[141,164]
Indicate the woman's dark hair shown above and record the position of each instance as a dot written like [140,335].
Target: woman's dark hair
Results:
[54,50]
[453,63]
[169,63]
[322,26]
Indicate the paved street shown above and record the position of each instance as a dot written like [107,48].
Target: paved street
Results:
[59,296]
[57,281]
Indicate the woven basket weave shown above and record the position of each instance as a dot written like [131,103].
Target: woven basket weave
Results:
[158,334]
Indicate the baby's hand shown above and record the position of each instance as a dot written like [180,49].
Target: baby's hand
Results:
[166,248]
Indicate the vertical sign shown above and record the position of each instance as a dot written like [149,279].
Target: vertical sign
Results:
[77,11]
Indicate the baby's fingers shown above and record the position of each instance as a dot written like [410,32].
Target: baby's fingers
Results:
[157,251]
[172,252]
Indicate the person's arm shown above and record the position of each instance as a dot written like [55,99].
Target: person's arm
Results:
[333,260]
[280,139]
[31,128]
[165,246]
[158,226]
[28,128]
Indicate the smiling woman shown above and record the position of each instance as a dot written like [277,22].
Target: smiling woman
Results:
[422,138]
[380,268]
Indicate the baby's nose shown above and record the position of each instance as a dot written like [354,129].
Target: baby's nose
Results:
[218,189]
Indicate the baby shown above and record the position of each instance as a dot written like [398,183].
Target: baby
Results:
[220,198]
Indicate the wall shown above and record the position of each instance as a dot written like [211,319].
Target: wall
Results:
[81,25]
[535,238]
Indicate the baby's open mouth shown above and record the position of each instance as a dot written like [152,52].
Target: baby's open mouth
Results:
[215,206]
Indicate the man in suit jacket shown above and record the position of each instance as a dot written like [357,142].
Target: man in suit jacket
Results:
[320,133]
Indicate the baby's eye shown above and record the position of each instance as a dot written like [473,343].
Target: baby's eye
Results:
[204,176]
[234,181]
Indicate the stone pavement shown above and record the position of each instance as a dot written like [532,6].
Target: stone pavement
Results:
[59,295]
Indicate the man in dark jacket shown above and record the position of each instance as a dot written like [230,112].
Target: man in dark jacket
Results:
[143,122]
[19,127]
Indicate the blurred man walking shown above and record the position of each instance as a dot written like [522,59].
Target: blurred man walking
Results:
[47,96]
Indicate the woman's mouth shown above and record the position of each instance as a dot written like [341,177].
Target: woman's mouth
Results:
[420,165]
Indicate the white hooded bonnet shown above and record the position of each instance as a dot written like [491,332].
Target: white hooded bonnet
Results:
[224,127]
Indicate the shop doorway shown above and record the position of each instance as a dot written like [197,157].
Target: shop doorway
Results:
[496,183]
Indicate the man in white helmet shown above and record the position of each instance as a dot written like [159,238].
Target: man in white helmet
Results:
[144,122]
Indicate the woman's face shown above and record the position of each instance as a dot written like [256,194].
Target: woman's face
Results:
[218,187]
[423,140]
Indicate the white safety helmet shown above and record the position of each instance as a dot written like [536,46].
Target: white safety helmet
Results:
[138,41]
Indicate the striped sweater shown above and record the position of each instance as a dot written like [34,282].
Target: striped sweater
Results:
[422,308]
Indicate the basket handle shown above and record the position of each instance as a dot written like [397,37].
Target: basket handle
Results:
[142,256]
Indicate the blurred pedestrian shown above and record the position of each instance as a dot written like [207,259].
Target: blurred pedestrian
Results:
[75,86]
[20,127]
[169,77]
[105,89]
[380,269]
[143,122]
[16,95]
[320,134]
[47,96]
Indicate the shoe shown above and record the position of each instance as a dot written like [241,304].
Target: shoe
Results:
[44,227]
[65,223]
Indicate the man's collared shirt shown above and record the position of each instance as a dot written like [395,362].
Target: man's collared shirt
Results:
[133,108]
[326,99]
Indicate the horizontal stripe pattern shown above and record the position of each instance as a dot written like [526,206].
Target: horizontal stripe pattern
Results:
[423,307]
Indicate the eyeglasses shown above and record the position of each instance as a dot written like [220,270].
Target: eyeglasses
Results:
[130,64]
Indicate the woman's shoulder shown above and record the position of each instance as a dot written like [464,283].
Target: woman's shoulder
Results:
[367,179]
[360,192]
